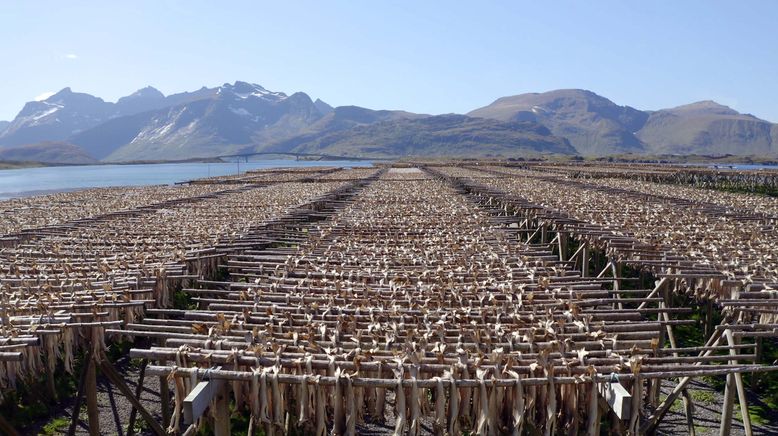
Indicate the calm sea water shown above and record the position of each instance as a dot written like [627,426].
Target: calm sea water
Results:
[32,181]
[742,167]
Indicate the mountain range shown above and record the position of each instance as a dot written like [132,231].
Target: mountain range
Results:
[243,118]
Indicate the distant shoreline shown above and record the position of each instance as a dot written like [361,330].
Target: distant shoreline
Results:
[11,165]
[32,181]
[22,194]
[708,160]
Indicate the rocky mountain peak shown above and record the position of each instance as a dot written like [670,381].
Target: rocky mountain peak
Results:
[245,90]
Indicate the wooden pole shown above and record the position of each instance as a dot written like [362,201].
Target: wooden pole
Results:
[79,394]
[741,392]
[661,284]
[688,403]
[708,318]
[138,392]
[562,241]
[656,384]
[616,271]
[757,359]
[164,392]
[604,270]
[91,398]
[688,407]
[726,408]
[222,412]
[192,430]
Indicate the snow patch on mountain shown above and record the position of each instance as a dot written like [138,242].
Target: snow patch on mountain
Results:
[240,111]
[243,91]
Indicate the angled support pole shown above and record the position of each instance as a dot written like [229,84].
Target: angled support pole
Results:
[79,394]
[532,236]
[138,391]
[604,270]
[657,288]
[577,252]
[650,425]
[110,372]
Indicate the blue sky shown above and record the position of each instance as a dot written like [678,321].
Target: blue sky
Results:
[423,56]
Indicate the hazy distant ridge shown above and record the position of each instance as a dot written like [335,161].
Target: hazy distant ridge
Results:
[597,126]
[244,118]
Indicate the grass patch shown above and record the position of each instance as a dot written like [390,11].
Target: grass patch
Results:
[55,426]
[757,417]
[676,407]
[706,397]
[141,426]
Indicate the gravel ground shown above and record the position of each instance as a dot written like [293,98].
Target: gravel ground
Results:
[113,406]
[115,410]
[707,413]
